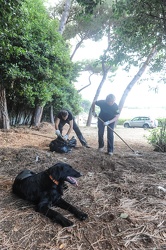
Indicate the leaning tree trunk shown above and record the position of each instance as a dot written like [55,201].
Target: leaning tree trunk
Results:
[136,78]
[105,70]
[78,45]
[65,15]
[96,96]
[37,115]
[63,21]
[4,118]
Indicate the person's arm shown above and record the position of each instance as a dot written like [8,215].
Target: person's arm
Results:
[112,120]
[57,121]
[93,109]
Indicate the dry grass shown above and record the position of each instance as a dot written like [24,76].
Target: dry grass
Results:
[120,194]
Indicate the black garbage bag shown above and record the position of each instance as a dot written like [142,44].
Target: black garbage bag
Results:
[61,146]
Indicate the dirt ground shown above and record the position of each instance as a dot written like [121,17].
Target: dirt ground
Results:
[123,195]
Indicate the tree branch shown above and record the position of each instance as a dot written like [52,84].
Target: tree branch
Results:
[87,84]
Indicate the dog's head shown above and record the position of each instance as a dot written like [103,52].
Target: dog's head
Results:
[64,172]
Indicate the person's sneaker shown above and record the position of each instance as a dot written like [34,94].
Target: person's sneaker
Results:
[110,153]
[100,149]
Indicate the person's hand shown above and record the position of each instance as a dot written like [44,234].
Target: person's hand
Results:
[57,132]
[106,123]
[65,137]
[94,114]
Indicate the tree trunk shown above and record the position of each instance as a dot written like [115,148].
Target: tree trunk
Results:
[52,114]
[96,97]
[77,47]
[105,70]
[4,118]
[63,21]
[87,84]
[37,115]
[65,15]
[136,78]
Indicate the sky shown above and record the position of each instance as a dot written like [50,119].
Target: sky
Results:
[51,2]
[140,95]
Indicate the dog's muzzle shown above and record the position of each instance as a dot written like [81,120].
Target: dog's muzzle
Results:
[71,180]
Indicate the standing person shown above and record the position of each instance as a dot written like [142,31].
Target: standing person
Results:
[109,113]
[63,117]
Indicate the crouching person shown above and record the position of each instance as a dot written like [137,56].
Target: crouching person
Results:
[63,117]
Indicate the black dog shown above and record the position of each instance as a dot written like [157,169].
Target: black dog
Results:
[45,190]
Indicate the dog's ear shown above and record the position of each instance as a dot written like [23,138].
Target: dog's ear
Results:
[55,171]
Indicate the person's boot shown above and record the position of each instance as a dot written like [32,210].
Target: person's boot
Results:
[86,145]
[83,142]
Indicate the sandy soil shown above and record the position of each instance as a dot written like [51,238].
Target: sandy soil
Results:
[121,194]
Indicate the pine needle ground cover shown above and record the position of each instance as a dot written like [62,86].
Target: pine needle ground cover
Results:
[124,195]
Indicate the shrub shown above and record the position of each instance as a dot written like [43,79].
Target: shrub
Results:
[157,137]
[121,121]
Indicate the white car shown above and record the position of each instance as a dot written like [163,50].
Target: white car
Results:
[141,122]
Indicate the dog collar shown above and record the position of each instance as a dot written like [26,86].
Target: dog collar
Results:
[56,182]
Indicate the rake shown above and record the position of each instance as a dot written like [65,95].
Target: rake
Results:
[135,152]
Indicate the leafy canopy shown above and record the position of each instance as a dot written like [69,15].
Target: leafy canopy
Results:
[35,61]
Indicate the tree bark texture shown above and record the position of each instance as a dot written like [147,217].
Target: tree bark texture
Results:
[4,118]
[63,21]
[52,114]
[37,115]
[65,15]
[105,69]
[96,97]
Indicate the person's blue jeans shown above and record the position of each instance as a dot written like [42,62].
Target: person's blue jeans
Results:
[110,136]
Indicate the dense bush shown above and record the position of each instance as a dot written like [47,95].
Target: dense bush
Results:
[157,137]
[161,121]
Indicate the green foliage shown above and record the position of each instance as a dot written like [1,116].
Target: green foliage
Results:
[89,5]
[66,97]
[95,66]
[85,104]
[8,12]
[121,121]
[35,61]
[157,137]
[82,25]
[71,100]
[161,121]
[9,27]
[141,25]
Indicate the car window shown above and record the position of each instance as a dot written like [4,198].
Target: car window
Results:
[136,119]
[144,118]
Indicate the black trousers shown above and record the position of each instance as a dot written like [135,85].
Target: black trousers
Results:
[110,136]
[76,130]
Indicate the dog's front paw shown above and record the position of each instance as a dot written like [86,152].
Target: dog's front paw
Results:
[66,223]
[65,186]
[82,216]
